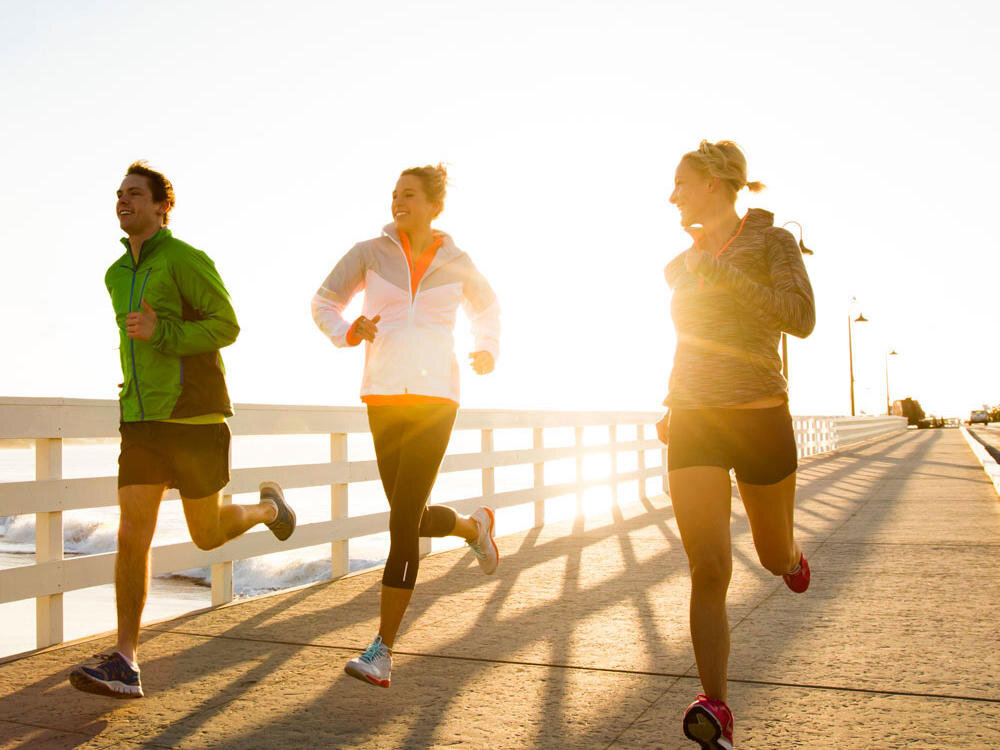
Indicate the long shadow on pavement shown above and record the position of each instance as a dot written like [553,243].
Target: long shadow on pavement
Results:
[609,601]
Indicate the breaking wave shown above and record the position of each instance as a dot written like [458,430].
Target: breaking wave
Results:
[80,536]
[260,575]
[254,576]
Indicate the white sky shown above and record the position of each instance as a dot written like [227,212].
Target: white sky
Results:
[284,126]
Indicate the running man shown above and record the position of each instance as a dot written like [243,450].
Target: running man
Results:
[736,289]
[173,315]
[414,278]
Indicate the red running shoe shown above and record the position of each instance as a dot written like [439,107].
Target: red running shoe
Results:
[709,723]
[798,579]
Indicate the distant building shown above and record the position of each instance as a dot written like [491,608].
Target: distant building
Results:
[909,408]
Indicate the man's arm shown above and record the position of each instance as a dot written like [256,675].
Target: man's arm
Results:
[201,287]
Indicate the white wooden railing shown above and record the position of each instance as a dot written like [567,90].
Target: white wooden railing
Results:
[815,434]
[48,422]
[853,430]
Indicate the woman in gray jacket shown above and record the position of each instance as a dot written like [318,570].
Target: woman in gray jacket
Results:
[735,290]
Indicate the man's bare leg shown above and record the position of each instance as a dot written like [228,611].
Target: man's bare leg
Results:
[140,504]
[212,524]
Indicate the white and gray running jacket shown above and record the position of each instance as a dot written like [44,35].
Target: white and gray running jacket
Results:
[414,349]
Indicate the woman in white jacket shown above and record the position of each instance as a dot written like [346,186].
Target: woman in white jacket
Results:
[414,278]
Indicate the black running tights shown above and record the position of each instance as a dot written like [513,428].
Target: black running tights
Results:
[410,442]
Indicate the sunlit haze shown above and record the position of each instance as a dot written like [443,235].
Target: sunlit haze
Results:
[283,127]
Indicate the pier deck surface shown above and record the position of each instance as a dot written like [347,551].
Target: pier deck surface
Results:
[581,639]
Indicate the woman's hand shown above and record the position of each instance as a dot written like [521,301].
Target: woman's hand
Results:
[482,362]
[364,328]
[663,428]
[693,259]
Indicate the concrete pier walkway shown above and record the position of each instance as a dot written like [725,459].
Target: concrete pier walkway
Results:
[581,640]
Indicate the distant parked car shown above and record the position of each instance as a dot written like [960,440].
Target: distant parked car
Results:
[979,417]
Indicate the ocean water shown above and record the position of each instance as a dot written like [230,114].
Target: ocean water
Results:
[94,531]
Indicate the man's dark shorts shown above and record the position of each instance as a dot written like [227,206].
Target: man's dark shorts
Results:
[194,458]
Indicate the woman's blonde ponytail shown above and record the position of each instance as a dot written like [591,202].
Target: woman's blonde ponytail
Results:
[725,161]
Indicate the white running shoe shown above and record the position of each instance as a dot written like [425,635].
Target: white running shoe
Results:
[485,547]
[373,666]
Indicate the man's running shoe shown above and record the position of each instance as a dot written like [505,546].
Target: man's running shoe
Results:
[373,666]
[709,723]
[485,547]
[113,676]
[798,579]
[284,522]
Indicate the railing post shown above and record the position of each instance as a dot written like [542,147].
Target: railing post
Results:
[340,561]
[640,433]
[578,442]
[222,573]
[665,483]
[538,443]
[488,473]
[48,544]
[613,447]
[489,476]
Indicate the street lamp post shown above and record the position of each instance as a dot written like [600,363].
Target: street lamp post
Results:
[888,401]
[850,351]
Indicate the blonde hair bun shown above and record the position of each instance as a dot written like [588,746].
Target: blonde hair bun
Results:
[724,160]
[433,179]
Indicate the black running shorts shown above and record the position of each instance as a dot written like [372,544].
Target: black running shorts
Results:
[194,458]
[759,444]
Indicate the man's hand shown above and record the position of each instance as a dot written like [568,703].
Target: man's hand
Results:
[663,428]
[482,362]
[140,325]
[366,329]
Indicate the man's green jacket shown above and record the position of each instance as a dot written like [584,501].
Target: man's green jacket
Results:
[178,372]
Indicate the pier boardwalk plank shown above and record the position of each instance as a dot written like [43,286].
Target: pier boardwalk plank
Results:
[580,640]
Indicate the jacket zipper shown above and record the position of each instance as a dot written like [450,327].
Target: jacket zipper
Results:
[409,286]
[131,342]
[409,279]
[131,346]
[413,295]
[142,290]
